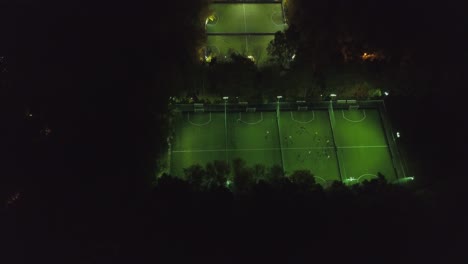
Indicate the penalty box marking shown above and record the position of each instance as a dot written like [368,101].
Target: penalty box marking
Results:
[249,123]
[195,124]
[354,121]
[303,122]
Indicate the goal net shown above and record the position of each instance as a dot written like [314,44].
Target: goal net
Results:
[302,108]
[250,109]
[199,110]
[353,107]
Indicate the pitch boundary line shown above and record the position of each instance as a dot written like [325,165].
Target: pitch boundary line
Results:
[195,124]
[303,122]
[354,121]
[253,149]
[350,147]
[248,123]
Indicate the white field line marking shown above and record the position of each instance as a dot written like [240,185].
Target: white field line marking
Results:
[248,123]
[320,178]
[303,122]
[367,174]
[355,121]
[195,124]
[349,147]
[252,149]
[245,31]
[273,21]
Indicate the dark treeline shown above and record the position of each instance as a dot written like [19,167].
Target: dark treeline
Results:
[84,88]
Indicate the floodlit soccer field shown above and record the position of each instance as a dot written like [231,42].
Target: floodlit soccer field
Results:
[222,46]
[362,145]
[246,18]
[244,28]
[307,142]
[354,150]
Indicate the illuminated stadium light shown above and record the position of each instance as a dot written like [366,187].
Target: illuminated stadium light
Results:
[405,179]
[350,180]
[397,134]
[333,95]
[293,56]
[386,93]
[225,97]
[279,96]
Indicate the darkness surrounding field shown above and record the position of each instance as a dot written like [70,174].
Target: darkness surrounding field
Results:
[84,88]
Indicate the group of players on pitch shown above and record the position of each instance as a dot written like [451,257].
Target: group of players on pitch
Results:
[326,151]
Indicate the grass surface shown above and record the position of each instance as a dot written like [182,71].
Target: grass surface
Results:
[304,140]
[239,18]
[362,145]
[248,45]
[197,132]
[246,18]
[255,137]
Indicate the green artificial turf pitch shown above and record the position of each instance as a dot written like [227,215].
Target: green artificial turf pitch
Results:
[246,18]
[362,144]
[304,140]
[307,142]
[222,46]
